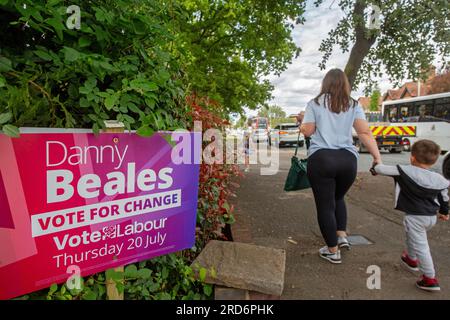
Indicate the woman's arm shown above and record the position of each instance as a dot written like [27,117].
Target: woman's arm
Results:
[365,136]
[308,129]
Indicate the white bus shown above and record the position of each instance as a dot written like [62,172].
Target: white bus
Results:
[429,114]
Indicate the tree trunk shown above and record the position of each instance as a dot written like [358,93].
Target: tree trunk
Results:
[362,44]
[359,52]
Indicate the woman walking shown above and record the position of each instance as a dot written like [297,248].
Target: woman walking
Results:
[332,157]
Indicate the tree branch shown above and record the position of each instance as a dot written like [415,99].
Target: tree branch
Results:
[362,44]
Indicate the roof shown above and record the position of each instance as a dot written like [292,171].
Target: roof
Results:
[411,89]
[393,94]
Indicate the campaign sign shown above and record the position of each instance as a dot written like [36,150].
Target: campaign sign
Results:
[91,201]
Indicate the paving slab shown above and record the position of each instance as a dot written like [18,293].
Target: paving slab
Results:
[244,266]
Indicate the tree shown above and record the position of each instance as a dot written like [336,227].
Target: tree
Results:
[241,123]
[118,65]
[272,112]
[440,83]
[375,100]
[404,38]
[233,44]
[136,60]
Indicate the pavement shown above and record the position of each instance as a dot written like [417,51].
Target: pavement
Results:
[287,220]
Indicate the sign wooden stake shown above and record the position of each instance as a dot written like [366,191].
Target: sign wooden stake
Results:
[112,293]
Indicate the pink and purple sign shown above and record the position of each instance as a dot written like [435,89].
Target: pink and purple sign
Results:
[91,201]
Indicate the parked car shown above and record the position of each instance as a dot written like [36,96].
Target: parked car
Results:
[260,135]
[286,134]
[446,165]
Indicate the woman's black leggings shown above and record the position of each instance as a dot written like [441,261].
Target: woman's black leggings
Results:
[331,173]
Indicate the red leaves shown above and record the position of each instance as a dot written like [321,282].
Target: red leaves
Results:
[215,180]
[202,109]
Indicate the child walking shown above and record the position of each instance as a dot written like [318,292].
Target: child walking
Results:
[422,195]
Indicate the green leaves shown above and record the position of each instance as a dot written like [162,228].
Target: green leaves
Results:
[89,85]
[57,25]
[234,44]
[145,131]
[132,107]
[142,85]
[103,15]
[11,130]
[91,289]
[164,278]
[43,55]
[131,271]
[114,275]
[163,296]
[226,206]
[144,273]
[139,26]
[117,66]
[111,101]
[89,295]
[207,290]
[5,117]
[84,42]
[5,64]
[53,289]
[202,274]
[70,54]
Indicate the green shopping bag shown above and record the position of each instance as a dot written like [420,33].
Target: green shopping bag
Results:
[297,178]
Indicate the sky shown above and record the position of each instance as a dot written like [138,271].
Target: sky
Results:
[302,80]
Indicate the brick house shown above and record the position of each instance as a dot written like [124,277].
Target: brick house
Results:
[408,90]
[411,89]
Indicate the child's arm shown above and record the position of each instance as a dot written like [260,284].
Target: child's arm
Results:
[386,170]
[443,202]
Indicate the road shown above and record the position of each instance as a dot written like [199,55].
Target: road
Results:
[287,220]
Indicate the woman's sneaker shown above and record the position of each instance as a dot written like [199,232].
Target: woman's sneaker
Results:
[428,284]
[343,243]
[409,263]
[332,257]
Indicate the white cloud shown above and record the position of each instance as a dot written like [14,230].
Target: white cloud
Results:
[302,80]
